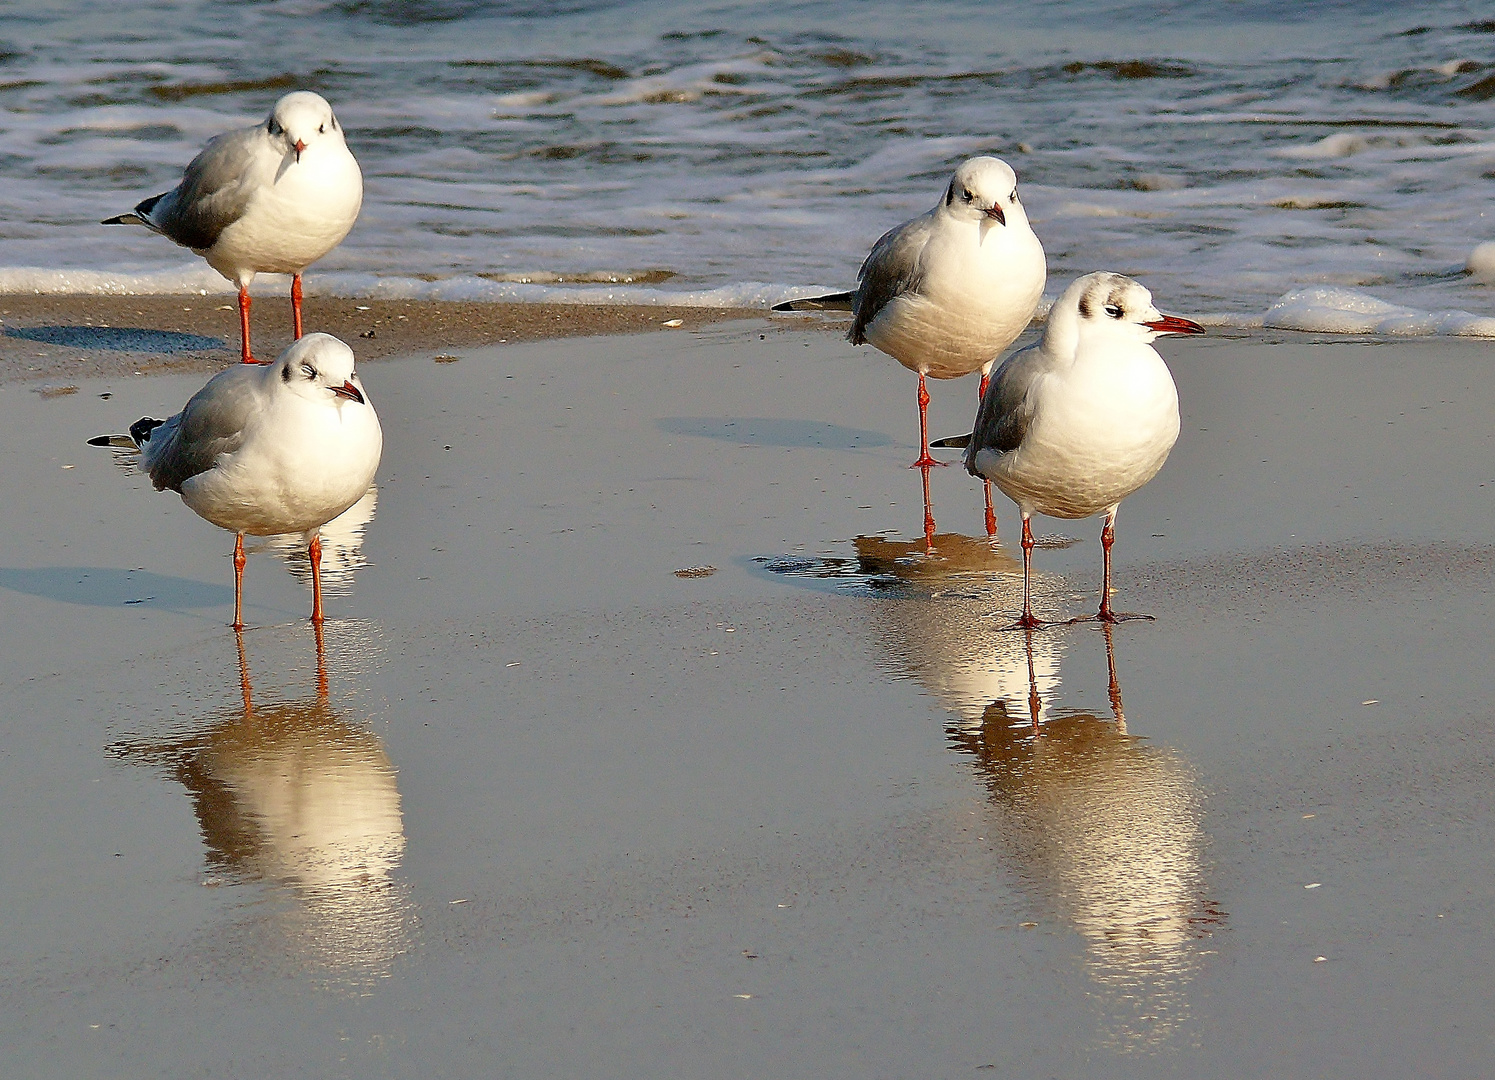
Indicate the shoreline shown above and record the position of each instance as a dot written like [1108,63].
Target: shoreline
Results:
[377,329]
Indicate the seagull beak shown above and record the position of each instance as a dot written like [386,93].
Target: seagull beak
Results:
[349,391]
[1172,324]
[300,146]
[996,213]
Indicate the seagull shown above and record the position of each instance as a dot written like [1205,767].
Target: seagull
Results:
[281,447]
[1074,424]
[271,199]
[945,293]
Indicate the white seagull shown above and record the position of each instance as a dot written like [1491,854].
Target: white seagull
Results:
[271,199]
[945,293]
[1074,424]
[282,447]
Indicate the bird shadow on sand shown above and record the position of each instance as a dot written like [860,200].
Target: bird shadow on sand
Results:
[772,431]
[116,338]
[104,586]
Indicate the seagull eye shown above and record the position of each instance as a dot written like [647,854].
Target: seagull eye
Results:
[966,195]
[321,129]
[273,127]
[1013,197]
[309,371]
[1113,310]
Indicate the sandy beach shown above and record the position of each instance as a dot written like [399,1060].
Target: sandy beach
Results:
[59,338]
[654,744]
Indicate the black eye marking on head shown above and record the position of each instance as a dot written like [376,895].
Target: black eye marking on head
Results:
[285,374]
[950,195]
[273,126]
[1085,308]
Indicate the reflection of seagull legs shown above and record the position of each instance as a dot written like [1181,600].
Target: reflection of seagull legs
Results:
[247,689]
[1115,686]
[244,673]
[928,515]
[1034,701]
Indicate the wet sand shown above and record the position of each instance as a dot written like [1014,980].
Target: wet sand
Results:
[60,339]
[562,811]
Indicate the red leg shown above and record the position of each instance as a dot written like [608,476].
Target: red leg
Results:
[981,393]
[1107,538]
[239,582]
[314,551]
[244,353]
[991,513]
[925,460]
[296,303]
[1028,621]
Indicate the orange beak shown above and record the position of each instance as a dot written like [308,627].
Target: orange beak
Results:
[300,146]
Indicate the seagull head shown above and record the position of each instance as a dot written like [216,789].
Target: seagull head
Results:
[300,120]
[1104,307]
[984,189]
[319,368]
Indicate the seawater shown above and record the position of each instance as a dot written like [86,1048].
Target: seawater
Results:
[1223,153]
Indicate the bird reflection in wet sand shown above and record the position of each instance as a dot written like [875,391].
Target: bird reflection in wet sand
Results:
[342,546]
[929,522]
[291,793]
[1108,829]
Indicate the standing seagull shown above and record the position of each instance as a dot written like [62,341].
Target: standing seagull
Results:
[271,199]
[1074,424]
[945,293]
[280,448]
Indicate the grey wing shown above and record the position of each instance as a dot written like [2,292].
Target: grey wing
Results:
[1006,410]
[894,267]
[212,194]
[211,425]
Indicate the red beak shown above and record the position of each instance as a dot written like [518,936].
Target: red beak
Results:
[1172,324]
[300,146]
[996,212]
[349,391]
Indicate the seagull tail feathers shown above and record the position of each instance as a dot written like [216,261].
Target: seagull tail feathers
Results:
[131,218]
[840,301]
[954,442]
[119,442]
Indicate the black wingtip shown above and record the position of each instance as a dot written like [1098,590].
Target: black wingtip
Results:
[954,442]
[140,430]
[840,301]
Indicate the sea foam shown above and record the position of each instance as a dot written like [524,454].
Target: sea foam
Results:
[1335,310]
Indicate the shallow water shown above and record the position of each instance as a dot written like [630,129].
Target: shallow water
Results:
[737,153]
[553,809]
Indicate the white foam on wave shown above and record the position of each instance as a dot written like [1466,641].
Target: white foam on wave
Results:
[198,279]
[1335,310]
[178,281]
[1324,309]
